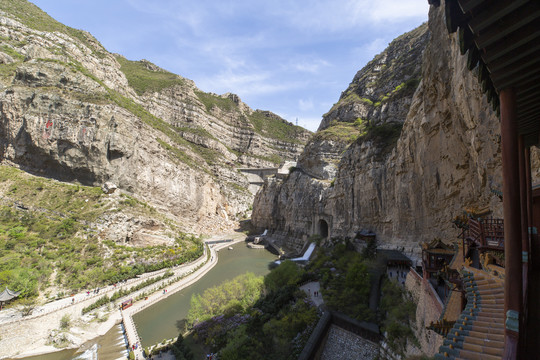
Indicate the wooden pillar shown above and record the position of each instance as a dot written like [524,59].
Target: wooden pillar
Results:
[512,221]
[524,215]
[532,230]
[525,224]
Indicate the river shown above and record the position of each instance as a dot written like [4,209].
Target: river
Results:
[160,321]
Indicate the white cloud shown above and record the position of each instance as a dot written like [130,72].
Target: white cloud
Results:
[243,84]
[392,10]
[310,123]
[339,15]
[305,105]
[310,66]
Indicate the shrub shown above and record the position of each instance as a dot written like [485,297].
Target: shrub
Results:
[65,322]
[287,273]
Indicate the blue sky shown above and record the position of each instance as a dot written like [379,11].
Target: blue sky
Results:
[292,57]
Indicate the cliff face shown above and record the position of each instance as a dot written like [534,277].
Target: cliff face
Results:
[75,112]
[446,157]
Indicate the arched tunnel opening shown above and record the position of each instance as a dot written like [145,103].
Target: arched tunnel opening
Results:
[323,228]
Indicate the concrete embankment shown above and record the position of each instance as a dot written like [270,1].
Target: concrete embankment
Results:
[127,315]
[26,336]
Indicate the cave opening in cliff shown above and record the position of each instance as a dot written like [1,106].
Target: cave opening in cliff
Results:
[323,228]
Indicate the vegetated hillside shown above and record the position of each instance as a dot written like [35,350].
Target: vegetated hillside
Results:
[72,111]
[410,170]
[57,238]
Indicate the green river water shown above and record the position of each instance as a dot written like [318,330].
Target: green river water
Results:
[159,321]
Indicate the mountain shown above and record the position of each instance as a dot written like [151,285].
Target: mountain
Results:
[72,111]
[411,142]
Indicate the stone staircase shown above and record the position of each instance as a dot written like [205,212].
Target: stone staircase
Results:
[478,334]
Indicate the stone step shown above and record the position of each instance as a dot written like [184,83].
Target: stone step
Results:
[471,355]
[491,319]
[490,313]
[487,324]
[485,342]
[496,336]
[467,355]
[492,307]
[485,301]
[489,350]
[495,291]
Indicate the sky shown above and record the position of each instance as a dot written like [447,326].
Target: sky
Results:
[292,57]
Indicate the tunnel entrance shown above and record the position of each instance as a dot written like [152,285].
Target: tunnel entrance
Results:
[323,228]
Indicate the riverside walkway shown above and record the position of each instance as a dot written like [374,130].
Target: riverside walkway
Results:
[127,314]
[30,332]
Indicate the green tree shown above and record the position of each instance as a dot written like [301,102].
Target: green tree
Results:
[287,273]
[180,350]
[231,297]
[399,314]
[349,292]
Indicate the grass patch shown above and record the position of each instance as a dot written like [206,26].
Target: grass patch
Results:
[272,126]
[142,78]
[84,202]
[196,130]
[210,101]
[385,135]
[12,52]
[343,131]
[406,88]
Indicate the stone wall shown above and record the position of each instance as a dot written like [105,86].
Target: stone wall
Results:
[429,308]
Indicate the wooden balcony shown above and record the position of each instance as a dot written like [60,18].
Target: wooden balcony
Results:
[487,234]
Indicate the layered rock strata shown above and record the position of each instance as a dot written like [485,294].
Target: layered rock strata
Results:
[446,157]
[70,110]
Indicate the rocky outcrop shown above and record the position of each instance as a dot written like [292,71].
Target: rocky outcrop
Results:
[446,157]
[382,91]
[72,111]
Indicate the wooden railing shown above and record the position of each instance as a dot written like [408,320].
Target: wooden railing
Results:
[487,233]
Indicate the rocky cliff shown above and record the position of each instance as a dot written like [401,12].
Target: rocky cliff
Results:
[426,145]
[70,110]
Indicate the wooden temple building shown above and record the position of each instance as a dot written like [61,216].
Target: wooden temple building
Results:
[435,256]
[501,40]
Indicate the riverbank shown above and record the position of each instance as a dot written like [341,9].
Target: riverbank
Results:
[127,315]
[22,337]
